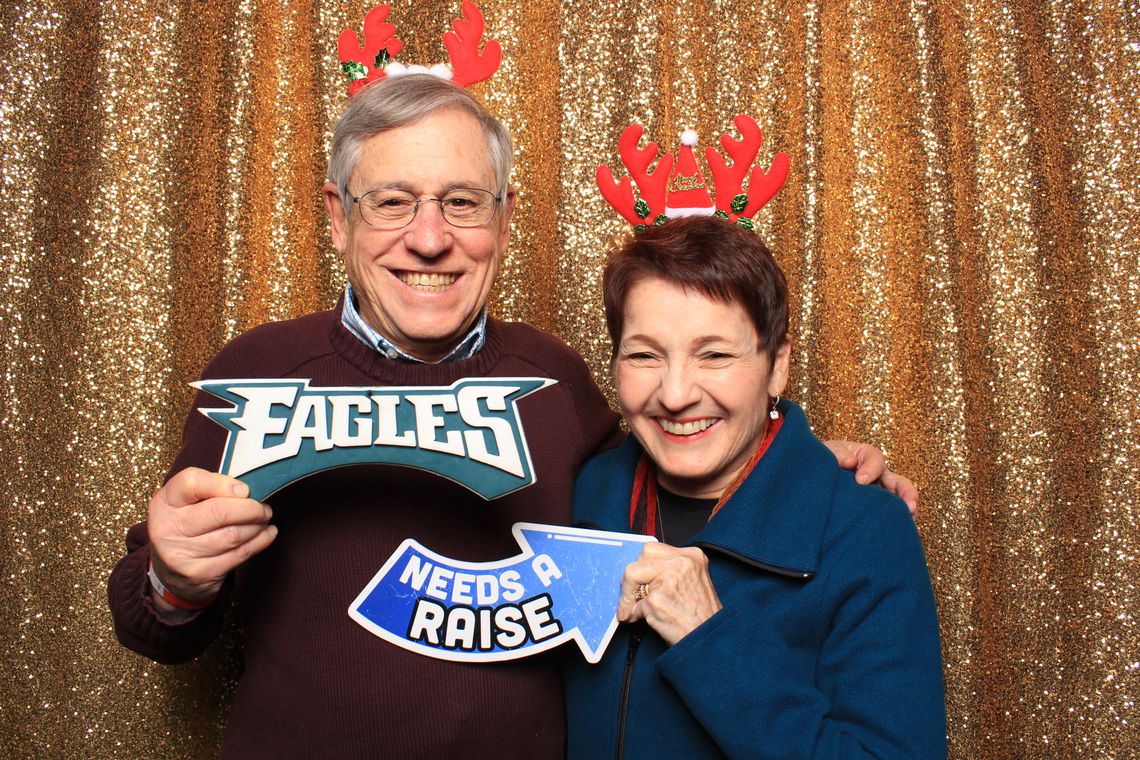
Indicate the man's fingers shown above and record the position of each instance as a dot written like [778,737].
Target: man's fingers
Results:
[867,461]
[844,452]
[223,540]
[871,465]
[219,566]
[901,486]
[216,514]
[201,577]
[193,485]
[201,526]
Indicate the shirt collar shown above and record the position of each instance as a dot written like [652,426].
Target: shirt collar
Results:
[356,325]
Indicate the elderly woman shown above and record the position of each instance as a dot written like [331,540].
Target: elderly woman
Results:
[787,611]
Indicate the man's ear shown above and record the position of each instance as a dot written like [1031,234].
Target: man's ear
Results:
[505,219]
[778,377]
[337,217]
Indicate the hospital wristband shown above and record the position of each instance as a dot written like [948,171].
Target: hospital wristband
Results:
[164,592]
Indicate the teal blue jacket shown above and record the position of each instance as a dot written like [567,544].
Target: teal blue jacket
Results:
[827,645]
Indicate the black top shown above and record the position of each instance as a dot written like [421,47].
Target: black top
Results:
[679,518]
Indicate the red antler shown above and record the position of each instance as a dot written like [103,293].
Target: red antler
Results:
[651,185]
[729,180]
[618,194]
[378,36]
[468,65]
[762,185]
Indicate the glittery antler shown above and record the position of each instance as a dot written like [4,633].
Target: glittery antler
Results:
[731,200]
[651,185]
[468,65]
[366,63]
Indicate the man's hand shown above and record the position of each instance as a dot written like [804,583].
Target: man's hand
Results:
[870,466]
[202,525]
[669,588]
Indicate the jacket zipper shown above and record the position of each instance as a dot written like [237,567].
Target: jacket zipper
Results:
[784,571]
[626,683]
[635,636]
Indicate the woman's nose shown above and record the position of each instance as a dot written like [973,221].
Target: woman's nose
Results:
[679,386]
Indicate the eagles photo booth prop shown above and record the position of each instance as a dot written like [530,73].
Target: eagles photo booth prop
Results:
[563,586]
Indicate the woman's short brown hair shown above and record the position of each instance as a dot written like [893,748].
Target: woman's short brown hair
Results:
[718,259]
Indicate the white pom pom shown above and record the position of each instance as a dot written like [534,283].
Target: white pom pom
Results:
[689,137]
[416,68]
[441,70]
[395,69]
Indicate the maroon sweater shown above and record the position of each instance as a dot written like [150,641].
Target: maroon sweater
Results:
[316,684]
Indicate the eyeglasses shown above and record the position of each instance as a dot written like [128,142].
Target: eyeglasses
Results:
[393,209]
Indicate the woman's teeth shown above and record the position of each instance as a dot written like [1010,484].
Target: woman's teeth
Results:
[685,428]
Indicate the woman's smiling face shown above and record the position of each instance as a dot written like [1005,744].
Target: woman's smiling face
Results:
[693,385]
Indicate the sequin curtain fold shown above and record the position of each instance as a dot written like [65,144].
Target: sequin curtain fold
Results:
[960,230]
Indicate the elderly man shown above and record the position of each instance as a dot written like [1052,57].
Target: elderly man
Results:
[420,211]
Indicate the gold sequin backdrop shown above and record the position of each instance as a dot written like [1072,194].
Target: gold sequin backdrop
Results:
[960,229]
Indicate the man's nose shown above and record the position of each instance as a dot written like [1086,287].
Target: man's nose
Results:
[679,386]
[428,234]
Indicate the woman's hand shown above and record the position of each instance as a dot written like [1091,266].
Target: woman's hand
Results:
[678,593]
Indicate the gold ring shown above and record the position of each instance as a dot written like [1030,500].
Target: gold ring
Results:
[641,593]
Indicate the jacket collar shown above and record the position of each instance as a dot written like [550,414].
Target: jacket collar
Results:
[776,518]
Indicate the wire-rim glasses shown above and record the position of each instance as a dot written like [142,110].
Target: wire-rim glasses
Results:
[388,209]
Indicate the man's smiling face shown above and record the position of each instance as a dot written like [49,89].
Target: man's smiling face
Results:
[422,286]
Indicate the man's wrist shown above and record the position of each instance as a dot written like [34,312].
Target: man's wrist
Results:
[165,594]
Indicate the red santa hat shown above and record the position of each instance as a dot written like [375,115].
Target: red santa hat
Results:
[687,194]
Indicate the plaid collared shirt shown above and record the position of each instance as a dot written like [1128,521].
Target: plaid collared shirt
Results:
[465,349]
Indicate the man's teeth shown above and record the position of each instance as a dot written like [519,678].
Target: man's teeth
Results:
[427,281]
[685,428]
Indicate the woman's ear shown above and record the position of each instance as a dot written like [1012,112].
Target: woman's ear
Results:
[778,377]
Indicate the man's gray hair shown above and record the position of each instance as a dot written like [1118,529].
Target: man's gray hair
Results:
[398,101]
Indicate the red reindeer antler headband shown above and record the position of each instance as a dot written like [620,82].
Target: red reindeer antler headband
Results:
[676,188]
[375,59]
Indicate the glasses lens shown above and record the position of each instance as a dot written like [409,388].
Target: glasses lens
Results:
[392,209]
[387,208]
[468,207]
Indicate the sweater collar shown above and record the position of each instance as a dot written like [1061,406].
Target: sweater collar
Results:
[467,347]
[399,373]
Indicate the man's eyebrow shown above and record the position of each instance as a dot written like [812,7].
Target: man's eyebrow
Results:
[463,186]
[443,189]
[397,185]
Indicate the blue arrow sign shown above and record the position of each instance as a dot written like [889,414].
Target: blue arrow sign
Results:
[564,586]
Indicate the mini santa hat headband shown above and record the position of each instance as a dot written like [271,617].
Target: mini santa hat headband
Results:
[676,187]
[376,58]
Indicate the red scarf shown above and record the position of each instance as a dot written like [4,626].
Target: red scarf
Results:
[643,500]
